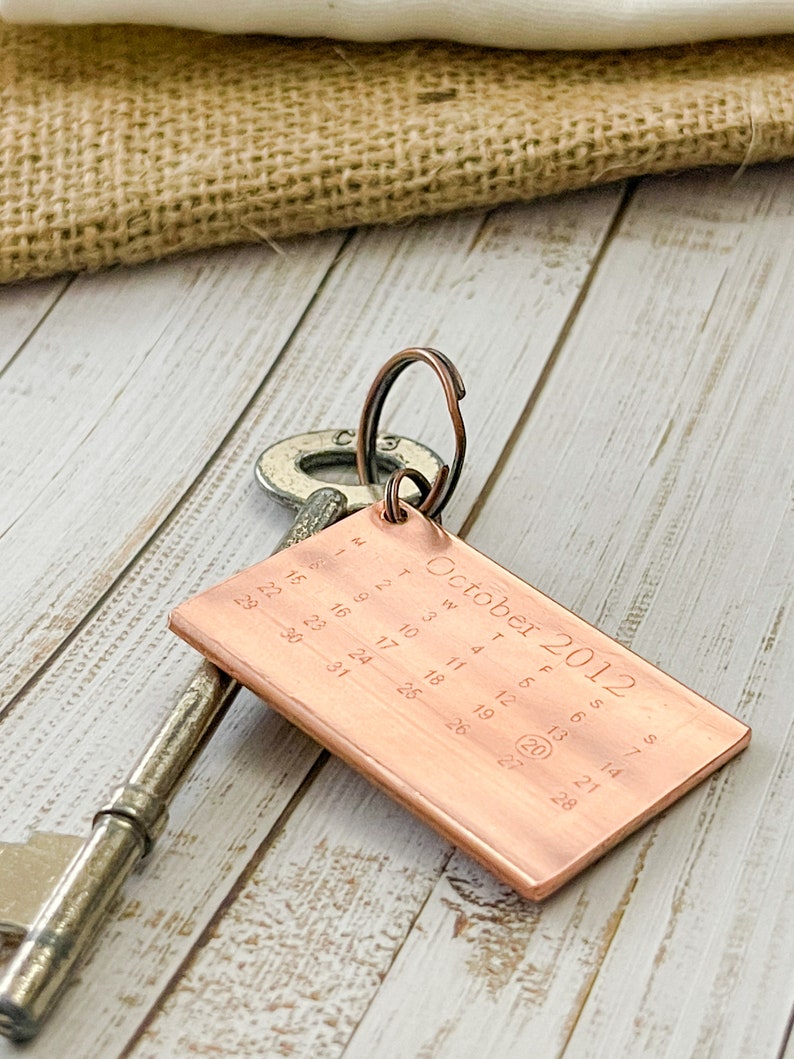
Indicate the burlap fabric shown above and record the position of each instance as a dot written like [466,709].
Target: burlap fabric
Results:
[121,144]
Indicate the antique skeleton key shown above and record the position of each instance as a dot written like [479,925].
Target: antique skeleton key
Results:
[530,739]
[55,889]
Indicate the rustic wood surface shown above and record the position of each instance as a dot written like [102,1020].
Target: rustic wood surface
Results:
[629,358]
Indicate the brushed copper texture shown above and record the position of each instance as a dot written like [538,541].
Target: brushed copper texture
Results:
[523,734]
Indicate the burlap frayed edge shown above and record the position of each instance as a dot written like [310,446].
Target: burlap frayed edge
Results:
[120,144]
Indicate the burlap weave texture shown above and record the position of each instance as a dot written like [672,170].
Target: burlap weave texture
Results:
[123,144]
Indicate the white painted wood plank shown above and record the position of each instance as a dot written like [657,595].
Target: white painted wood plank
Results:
[72,374]
[125,390]
[22,307]
[665,519]
[716,979]
[611,507]
[94,704]
[366,877]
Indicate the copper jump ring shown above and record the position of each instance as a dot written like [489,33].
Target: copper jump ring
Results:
[445,481]
[393,507]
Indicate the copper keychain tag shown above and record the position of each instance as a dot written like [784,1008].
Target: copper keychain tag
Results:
[527,737]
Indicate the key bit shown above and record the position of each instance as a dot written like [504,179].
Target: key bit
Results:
[28,874]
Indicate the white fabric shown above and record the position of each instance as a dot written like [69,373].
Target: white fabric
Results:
[504,23]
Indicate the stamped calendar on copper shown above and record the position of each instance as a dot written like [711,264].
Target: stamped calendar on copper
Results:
[516,729]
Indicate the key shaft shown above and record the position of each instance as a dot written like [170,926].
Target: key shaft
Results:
[126,829]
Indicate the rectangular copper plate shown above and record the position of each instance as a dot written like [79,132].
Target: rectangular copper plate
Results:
[527,737]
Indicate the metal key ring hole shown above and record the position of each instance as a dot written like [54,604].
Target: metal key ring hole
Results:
[443,485]
[287,469]
[339,468]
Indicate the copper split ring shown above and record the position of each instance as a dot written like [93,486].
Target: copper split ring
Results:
[436,495]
